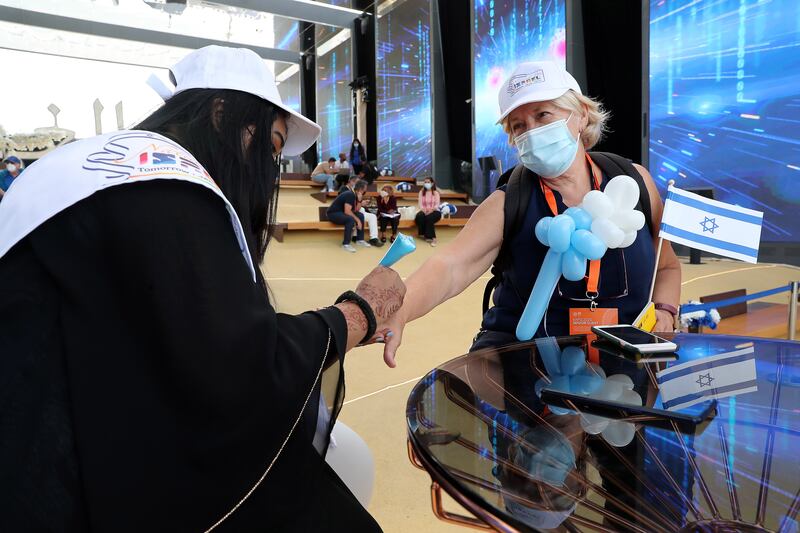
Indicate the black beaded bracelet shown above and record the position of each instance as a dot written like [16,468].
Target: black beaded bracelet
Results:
[372,324]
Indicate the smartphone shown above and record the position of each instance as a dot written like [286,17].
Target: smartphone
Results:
[610,348]
[690,420]
[635,339]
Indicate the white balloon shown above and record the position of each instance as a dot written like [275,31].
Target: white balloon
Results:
[623,191]
[608,232]
[350,458]
[628,219]
[622,379]
[611,390]
[619,433]
[630,238]
[593,424]
[598,370]
[598,204]
[630,397]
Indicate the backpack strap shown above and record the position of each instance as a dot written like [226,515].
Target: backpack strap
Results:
[518,195]
[614,165]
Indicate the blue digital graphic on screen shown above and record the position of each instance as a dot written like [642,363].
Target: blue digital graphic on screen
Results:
[725,104]
[404,89]
[508,32]
[334,102]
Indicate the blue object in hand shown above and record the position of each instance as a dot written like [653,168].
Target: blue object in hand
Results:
[401,247]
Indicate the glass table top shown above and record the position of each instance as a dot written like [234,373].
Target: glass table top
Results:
[708,440]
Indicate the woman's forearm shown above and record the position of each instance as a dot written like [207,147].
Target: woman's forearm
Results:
[429,286]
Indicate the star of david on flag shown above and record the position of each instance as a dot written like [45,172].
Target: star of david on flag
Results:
[709,224]
[701,380]
[716,227]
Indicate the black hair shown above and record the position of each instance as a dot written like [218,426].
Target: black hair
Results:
[331,159]
[360,185]
[247,176]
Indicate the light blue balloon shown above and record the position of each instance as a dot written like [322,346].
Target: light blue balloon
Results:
[583,384]
[550,352]
[573,265]
[541,229]
[543,287]
[560,232]
[583,220]
[559,383]
[588,244]
[573,360]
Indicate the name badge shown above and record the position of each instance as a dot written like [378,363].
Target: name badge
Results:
[581,319]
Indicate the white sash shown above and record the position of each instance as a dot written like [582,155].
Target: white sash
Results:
[78,170]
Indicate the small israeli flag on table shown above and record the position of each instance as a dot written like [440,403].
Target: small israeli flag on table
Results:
[716,227]
[701,380]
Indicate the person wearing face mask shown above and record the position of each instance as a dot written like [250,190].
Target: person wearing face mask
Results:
[357,156]
[148,382]
[9,174]
[346,211]
[553,126]
[428,214]
[387,212]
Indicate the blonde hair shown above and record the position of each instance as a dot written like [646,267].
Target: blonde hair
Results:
[577,103]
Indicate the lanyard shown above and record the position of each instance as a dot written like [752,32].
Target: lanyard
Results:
[593,280]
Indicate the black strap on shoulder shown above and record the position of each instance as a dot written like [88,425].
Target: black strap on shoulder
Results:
[518,194]
[614,165]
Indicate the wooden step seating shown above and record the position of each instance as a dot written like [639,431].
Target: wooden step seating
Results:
[372,192]
[301,179]
[457,220]
[751,319]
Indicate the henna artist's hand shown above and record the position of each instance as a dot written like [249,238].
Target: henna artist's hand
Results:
[383,290]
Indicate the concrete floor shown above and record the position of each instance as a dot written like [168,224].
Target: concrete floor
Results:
[310,270]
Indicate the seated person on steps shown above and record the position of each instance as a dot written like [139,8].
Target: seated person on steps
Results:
[342,171]
[326,173]
[370,218]
[387,212]
[428,213]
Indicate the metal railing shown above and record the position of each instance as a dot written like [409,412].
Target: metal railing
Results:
[792,288]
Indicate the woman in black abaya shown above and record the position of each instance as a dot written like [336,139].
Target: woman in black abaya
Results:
[146,382]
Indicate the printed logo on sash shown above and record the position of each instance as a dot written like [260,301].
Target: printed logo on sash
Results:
[69,175]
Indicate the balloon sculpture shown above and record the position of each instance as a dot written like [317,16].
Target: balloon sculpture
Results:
[605,219]
[568,371]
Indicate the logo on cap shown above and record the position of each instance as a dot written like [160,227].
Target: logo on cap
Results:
[520,81]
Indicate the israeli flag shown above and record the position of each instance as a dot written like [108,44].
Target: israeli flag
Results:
[718,376]
[713,226]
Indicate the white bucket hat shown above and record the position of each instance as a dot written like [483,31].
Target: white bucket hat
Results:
[240,69]
[537,81]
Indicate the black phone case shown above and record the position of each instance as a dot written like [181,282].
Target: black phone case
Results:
[636,414]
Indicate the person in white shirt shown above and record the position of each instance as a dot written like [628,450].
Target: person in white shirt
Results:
[326,173]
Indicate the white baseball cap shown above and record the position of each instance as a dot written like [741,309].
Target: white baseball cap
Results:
[537,81]
[240,69]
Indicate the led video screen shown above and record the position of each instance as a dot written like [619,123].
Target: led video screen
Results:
[725,104]
[404,88]
[508,32]
[334,102]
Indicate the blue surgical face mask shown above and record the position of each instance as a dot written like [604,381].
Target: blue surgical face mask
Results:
[548,150]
